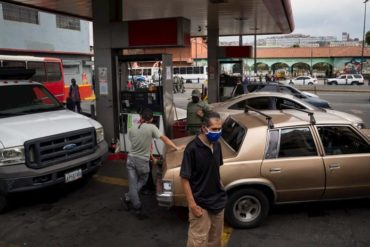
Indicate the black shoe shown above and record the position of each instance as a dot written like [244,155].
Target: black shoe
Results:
[125,203]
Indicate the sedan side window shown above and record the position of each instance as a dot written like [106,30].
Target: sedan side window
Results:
[261,103]
[292,142]
[282,101]
[342,140]
[239,106]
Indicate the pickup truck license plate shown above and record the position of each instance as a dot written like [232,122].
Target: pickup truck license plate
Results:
[72,176]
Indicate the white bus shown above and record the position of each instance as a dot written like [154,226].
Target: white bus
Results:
[191,74]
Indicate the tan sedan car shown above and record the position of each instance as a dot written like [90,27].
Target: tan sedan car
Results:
[285,157]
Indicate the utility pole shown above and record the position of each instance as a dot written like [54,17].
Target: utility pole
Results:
[363,40]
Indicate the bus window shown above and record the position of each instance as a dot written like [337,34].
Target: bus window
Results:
[176,71]
[197,70]
[14,64]
[183,71]
[189,70]
[147,72]
[53,72]
[39,68]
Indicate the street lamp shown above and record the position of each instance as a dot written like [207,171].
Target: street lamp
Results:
[363,40]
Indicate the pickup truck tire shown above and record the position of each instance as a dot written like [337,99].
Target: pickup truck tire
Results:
[247,208]
[3,203]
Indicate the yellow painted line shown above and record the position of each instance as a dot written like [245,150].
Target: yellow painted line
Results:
[111,180]
[3,244]
[226,235]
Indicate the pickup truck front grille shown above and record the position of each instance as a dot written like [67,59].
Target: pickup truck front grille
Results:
[51,150]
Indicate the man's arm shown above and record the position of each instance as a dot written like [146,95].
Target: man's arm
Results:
[195,209]
[170,143]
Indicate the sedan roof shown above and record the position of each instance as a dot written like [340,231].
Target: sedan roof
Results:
[287,118]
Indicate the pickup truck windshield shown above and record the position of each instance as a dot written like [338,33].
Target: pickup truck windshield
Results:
[24,99]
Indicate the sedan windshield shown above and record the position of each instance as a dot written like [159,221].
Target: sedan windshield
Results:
[24,99]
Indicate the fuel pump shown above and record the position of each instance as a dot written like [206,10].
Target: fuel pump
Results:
[155,93]
[230,72]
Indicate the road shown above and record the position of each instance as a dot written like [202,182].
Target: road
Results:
[88,213]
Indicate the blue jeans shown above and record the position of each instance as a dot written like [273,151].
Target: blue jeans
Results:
[138,172]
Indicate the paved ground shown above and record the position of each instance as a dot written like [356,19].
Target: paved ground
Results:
[88,213]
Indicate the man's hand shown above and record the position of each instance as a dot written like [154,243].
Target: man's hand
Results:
[179,148]
[196,210]
[200,113]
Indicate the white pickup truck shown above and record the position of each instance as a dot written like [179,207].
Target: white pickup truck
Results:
[42,143]
[347,79]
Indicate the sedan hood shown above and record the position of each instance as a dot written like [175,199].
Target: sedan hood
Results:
[14,131]
[317,102]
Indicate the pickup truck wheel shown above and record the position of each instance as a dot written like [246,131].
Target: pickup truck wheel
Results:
[247,208]
[2,203]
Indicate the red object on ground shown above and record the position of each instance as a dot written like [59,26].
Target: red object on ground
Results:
[179,128]
[117,156]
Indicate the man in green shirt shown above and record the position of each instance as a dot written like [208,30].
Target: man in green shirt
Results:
[141,137]
[195,112]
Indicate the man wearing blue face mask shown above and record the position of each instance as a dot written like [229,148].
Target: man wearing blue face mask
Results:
[201,182]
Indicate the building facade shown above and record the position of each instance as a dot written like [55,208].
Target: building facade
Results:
[27,31]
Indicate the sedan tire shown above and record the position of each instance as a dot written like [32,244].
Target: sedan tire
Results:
[246,208]
[291,83]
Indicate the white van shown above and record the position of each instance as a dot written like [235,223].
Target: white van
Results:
[41,142]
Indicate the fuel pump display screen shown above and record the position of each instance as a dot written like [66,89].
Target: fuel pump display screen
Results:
[134,101]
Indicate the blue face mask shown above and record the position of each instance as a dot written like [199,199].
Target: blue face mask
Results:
[213,136]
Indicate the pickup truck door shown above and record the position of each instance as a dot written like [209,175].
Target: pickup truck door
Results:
[347,162]
[293,165]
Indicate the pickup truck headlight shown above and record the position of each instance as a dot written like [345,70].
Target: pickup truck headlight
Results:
[167,186]
[99,135]
[12,156]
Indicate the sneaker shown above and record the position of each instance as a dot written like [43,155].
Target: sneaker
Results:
[125,203]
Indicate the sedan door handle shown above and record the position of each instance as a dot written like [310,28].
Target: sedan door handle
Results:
[275,170]
[334,166]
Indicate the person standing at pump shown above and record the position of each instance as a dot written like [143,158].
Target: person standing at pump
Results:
[201,182]
[238,88]
[141,137]
[74,94]
[195,112]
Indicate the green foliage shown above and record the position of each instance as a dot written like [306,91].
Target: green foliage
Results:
[367,38]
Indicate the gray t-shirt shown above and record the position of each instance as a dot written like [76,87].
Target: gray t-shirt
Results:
[141,137]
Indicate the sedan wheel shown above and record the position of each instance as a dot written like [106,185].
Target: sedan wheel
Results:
[247,208]
[310,83]
[291,83]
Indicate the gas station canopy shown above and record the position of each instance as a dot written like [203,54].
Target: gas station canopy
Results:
[236,17]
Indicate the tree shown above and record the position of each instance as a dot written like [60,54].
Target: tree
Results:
[367,38]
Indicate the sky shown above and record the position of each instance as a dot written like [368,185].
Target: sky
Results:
[330,17]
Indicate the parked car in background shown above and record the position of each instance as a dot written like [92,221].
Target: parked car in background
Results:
[275,101]
[303,80]
[278,87]
[282,157]
[347,79]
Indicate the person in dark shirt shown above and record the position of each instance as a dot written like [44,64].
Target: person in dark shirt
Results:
[201,182]
[238,88]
